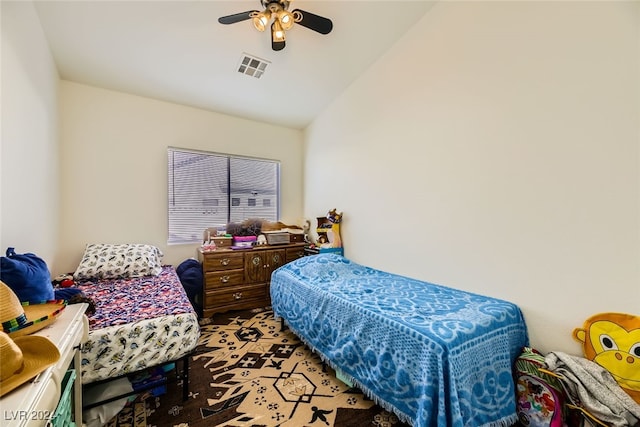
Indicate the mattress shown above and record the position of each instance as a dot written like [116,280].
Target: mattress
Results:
[138,323]
[433,355]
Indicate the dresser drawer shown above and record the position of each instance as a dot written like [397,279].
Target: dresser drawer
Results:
[238,280]
[223,261]
[293,254]
[217,279]
[237,295]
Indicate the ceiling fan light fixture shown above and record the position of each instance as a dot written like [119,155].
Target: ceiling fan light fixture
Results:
[261,20]
[277,33]
[281,19]
[286,19]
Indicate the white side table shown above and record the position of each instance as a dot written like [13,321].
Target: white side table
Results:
[33,403]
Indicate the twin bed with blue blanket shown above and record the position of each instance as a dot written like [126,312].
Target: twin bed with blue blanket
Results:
[433,355]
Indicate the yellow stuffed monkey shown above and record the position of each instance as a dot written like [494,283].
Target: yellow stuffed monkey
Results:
[612,340]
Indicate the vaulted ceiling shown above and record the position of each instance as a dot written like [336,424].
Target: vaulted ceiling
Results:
[178,52]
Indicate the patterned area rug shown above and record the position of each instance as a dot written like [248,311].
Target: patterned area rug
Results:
[246,372]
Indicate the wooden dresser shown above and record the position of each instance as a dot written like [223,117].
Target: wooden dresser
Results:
[239,279]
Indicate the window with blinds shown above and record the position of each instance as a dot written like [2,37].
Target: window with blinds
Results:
[211,190]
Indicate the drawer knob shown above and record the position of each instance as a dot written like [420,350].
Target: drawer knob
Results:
[225,261]
[224,279]
[237,295]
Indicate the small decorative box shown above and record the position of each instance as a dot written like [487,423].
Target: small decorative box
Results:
[244,241]
[296,237]
[277,237]
[222,242]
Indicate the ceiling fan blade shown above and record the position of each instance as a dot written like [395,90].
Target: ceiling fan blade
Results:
[237,17]
[312,21]
[277,45]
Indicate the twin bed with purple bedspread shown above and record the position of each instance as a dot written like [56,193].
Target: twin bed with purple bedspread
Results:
[139,322]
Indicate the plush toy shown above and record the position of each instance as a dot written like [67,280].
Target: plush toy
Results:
[329,230]
[82,298]
[63,281]
[255,227]
[306,228]
[612,340]
[334,216]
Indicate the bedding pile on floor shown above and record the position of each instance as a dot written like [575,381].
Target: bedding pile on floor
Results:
[247,372]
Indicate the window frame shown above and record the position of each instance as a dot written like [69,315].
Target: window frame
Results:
[230,196]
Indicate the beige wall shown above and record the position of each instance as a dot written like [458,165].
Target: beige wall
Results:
[114,165]
[496,148]
[29,186]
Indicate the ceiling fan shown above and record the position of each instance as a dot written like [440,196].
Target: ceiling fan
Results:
[283,20]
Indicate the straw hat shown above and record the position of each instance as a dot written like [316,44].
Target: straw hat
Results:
[25,318]
[23,358]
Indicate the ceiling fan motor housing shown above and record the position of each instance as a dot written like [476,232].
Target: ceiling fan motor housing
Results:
[268,3]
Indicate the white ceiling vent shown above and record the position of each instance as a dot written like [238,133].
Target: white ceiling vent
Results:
[252,66]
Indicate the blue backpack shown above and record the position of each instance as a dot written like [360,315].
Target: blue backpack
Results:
[27,275]
[190,273]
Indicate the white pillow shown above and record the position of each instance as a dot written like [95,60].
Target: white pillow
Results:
[115,261]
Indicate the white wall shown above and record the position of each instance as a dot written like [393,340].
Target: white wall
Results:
[82,164]
[29,184]
[114,166]
[496,149]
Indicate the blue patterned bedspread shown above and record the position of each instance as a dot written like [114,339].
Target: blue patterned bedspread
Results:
[433,355]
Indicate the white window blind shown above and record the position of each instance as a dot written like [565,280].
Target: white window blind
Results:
[211,190]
